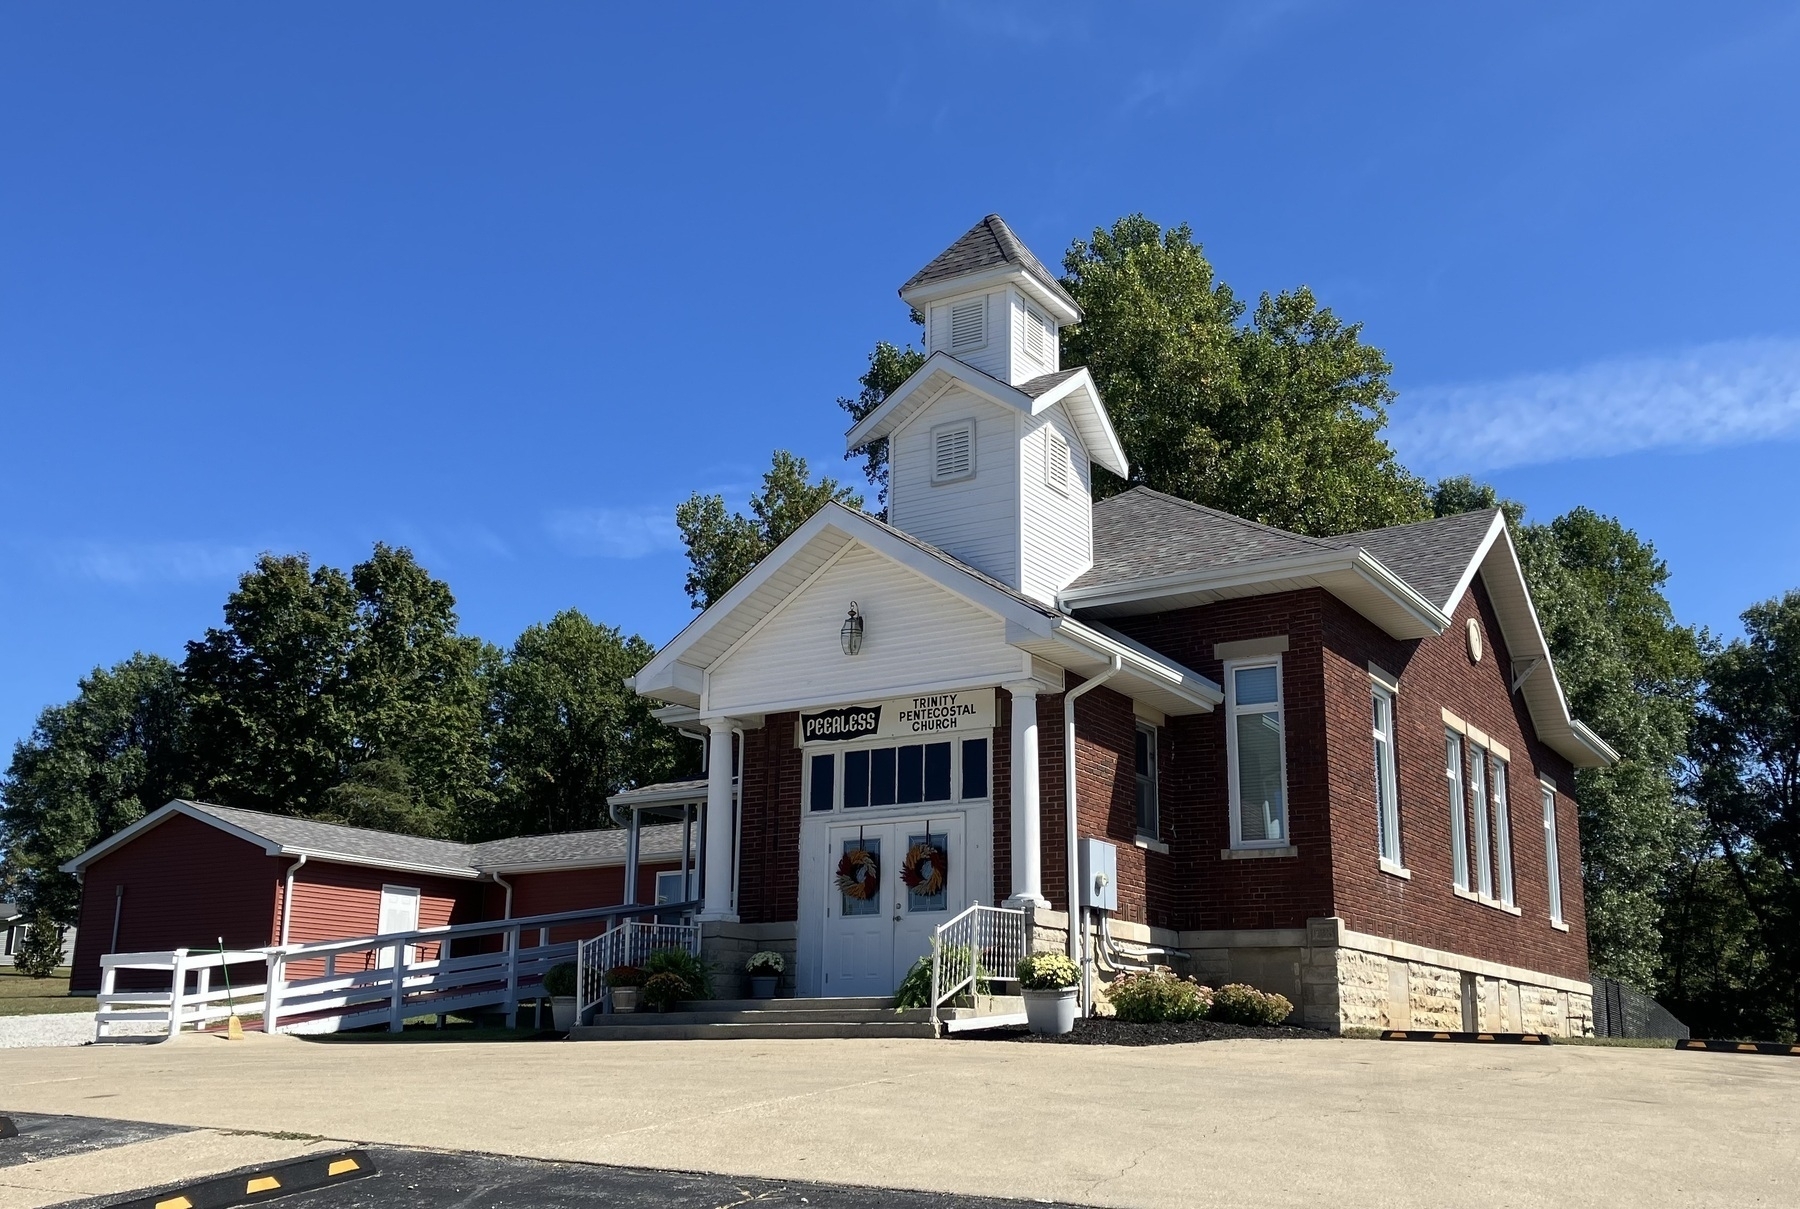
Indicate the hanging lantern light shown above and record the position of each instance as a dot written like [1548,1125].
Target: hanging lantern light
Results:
[852,631]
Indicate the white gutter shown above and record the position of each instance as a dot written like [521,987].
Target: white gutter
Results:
[287,898]
[1118,665]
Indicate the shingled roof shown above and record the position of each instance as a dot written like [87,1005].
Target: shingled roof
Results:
[286,835]
[985,245]
[1144,534]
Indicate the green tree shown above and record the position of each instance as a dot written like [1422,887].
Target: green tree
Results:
[567,731]
[90,767]
[1278,419]
[722,546]
[315,673]
[1630,672]
[41,952]
[889,368]
[1747,780]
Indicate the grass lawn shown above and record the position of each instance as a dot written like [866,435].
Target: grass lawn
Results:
[22,996]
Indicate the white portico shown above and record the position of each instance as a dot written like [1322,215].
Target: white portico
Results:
[991,449]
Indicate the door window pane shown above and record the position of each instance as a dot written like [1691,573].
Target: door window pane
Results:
[1259,776]
[974,769]
[824,768]
[926,872]
[859,876]
[912,773]
[881,777]
[937,772]
[856,779]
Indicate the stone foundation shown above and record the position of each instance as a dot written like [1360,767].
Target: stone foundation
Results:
[1340,980]
[727,946]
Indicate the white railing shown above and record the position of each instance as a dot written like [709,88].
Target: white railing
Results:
[356,982]
[628,943]
[970,953]
[192,998]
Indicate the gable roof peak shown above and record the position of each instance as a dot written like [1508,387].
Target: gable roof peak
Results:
[989,244]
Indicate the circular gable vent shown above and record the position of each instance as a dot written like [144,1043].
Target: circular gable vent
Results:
[1474,641]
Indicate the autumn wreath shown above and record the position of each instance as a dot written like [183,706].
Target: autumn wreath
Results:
[924,868]
[859,874]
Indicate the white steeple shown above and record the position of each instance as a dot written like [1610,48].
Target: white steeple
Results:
[991,444]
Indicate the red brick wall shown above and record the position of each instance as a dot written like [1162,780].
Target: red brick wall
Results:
[769,798]
[1437,674]
[1199,889]
[186,884]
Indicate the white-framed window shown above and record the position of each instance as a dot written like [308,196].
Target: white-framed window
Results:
[1478,815]
[1256,752]
[1387,780]
[968,324]
[862,776]
[1148,804]
[1502,829]
[1056,461]
[669,888]
[953,451]
[1459,819]
[1552,862]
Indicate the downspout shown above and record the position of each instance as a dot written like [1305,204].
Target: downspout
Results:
[1074,872]
[287,898]
[506,911]
[737,812]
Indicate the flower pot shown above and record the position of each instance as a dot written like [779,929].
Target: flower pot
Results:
[1050,1013]
[562,1012]
[763,987]
[624,999]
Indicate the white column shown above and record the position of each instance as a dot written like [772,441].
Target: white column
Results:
[716,894]
[1027,830]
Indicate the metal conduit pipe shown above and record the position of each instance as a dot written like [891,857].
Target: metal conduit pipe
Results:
[1072,880]
[737,814]
[287,902]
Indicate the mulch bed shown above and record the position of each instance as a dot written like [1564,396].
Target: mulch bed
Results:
[1101,1030]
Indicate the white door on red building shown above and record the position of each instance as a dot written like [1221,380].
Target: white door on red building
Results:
[399,913]
[892,883]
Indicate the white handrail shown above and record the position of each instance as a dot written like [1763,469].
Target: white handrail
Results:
[628,944]
[982,945]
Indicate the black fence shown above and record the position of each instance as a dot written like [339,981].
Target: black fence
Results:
[1620,1011]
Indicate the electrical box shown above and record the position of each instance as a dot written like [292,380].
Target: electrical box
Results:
[1099,874]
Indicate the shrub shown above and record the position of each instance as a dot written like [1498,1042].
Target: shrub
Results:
[1156,996]
[1047,972]
[1241,1003]
[559,980]
[41,951]
[663,991]
[684,965]
[625,976]
[765,965]
[915,988]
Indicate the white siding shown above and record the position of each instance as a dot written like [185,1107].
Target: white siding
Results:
[1059,527]
[994,356]
[915,633]
[976,519]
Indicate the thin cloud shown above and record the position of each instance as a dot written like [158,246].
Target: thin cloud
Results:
[1730,393]
[615,532]
[132,564]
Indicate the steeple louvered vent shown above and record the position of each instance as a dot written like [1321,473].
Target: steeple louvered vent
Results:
[952,451]
[968,324]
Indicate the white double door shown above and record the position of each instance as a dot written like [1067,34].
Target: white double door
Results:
[876,924]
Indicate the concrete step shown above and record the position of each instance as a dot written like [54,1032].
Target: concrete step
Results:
[752,1005]
[771,1030]
[764,1015]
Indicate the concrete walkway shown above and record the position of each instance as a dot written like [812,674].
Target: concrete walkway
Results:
[1240,1123]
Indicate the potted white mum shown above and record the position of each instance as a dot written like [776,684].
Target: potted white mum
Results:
[764,970]
[1048,982]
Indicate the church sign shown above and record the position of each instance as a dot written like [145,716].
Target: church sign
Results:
[915,717]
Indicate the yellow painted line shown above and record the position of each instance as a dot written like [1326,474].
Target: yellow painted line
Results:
[1745,1047]
[1440,1036]
[1485,1037]
[341,1166]
[261,1183]
[1530,1039]
[175,1202]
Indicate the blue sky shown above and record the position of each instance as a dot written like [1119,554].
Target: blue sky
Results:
[505,283]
